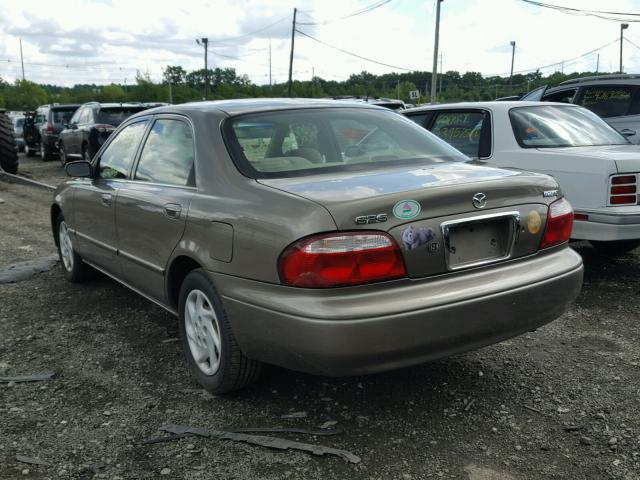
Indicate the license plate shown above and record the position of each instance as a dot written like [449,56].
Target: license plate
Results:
[480,240]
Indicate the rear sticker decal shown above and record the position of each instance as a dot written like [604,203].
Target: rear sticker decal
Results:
[413,238]
[534,222]
[406,209]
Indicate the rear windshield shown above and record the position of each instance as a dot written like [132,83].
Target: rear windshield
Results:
[116,115]
[551,126]
[63,115]
[311,141]
[18,122]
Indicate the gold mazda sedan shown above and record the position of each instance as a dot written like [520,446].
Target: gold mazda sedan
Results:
[321,236]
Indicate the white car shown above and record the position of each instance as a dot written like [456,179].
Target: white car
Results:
[597,168]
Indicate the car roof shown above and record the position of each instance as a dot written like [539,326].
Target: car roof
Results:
[493,105]
[114,104]
[618,79]
[252,105]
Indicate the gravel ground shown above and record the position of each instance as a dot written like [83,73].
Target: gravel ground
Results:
[558,403]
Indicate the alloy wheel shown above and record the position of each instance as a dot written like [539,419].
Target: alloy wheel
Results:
[66,247]
[203,332]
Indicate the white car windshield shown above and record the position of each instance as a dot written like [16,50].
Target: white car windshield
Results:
[548,126]
[310,141]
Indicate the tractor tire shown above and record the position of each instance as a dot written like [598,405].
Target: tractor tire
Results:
[8,148]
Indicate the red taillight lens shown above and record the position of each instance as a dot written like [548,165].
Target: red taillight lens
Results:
[559,224]
[340,259]
[622,179]
[623,190]
[49,127]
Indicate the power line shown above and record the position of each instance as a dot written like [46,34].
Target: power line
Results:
[354,54]
[367,9]
[591,52]
[617,16]
[266,27]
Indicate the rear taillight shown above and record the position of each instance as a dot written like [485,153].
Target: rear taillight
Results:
[559,224]
[103,128]
[623,190]
[49,127]
[340,259]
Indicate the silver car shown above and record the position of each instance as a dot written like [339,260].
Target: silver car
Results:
[322,236]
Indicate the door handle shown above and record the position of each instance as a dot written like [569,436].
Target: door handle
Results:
[172,210]
[106,199]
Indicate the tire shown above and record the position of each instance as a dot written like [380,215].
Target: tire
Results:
[220,367]
[29,151]
[613,249]
[44,154]
[8,148]
[62,154]
[74,268]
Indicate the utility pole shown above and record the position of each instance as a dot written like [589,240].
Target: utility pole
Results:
[22,60]
[623,27]
[293,39]
[434,70]
[269,63]
[205,43]
[513,54]
[598,64]
[441,72]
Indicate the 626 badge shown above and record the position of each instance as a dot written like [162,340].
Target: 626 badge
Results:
[366,219]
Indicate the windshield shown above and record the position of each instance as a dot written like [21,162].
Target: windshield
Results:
[549,126]
[116,115]
[307,142]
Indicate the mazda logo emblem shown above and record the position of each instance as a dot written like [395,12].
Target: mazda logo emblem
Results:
[479,200]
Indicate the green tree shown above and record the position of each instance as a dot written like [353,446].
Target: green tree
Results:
[112,93]
[175,75]
[26,95]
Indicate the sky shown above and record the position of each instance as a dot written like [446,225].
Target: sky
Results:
[65,42]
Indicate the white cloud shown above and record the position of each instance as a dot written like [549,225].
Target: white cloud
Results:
[82,41]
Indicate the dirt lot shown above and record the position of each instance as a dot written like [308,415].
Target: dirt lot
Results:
[559,403]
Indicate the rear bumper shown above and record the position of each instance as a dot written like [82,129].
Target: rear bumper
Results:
[609,225]
[358,330]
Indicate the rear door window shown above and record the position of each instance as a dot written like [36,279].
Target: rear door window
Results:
[167,156]
[563,96]
[460,130]
[117,158]
[608,101]
[419,118]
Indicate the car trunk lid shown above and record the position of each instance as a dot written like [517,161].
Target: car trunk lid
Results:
[431,211]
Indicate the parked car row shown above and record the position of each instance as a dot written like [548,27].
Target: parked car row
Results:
[69,131]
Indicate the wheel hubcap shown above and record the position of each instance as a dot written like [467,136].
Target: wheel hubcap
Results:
[203,332]
[66,248]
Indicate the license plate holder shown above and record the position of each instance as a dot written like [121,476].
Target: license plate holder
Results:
[480,240]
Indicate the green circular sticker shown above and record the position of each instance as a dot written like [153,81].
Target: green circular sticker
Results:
[406,209]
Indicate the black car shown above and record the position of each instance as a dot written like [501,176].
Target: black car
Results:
[42,127]
[91,125]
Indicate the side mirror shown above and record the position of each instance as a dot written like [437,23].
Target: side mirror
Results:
[79,169]
[627,132]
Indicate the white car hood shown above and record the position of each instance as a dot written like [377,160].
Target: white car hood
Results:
[626,157]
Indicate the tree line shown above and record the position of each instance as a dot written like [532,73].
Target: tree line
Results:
[179,86]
